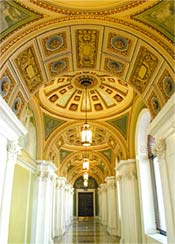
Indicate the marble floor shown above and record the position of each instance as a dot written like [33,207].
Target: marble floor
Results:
[86,230]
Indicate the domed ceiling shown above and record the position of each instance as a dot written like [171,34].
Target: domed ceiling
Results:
[123,48]
[104,97]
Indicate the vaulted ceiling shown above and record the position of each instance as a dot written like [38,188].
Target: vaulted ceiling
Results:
[125,48]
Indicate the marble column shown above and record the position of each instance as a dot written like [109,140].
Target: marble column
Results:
[62,205]
[70,204]
[42,203]
[99,205]
[52,207]
[12,151]
[112,205]
[130,212]
[57,217]
[67,204]
[104,204]
[59,205]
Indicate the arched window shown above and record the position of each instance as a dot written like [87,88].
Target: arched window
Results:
[157,188]
[152,211]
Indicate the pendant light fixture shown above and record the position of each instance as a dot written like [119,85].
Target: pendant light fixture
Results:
[85,184]
[86,164]
[85,176]
[86,133]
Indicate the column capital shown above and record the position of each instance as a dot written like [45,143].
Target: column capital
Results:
[45,169]
[61,182]
[103,187]
[159,148]
[13,149]
[126,169]
[111,182]
[67,187]
[71,190]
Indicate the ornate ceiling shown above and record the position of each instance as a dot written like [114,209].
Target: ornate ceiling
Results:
[125,48]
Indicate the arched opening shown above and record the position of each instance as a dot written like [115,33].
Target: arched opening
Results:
[85,199]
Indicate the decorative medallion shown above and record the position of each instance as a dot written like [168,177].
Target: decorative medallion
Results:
[144,67]
[18,104]
[86,48]
[153,104]
[114,67]
[59,66]
[118,44]
[29,69]
[55,44]
[4,86]
[166,85]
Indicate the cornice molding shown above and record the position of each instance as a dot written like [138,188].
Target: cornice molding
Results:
[11,127]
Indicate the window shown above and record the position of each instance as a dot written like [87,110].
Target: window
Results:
[157,189]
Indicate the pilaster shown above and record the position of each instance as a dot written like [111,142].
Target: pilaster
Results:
[162,128]
[10,131]
[12,152]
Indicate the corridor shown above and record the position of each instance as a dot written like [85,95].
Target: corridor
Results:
[86,230]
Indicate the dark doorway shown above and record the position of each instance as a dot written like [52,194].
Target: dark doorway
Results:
[85,204]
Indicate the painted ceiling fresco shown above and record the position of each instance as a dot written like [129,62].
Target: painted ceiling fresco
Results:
[124,48]
[161,17]
[14,16]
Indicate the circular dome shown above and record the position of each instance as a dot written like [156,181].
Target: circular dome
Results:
[90,5]
[104,97]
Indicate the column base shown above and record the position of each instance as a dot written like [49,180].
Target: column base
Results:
[112,231]
[51,241]
[104,222]
[122,240]
[59,232]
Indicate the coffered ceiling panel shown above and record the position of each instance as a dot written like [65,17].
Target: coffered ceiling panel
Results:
[119,43]
[105,95]
[54,43]
[87,44]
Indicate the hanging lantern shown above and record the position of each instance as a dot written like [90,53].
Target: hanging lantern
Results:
[86,164]
[85,176]
[85,183]
[86,135]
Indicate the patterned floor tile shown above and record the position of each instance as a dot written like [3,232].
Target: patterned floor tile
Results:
[86,230]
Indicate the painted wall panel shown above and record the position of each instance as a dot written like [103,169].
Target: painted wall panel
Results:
[18,211]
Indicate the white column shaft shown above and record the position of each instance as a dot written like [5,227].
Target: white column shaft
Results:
[42,205]
[130,213]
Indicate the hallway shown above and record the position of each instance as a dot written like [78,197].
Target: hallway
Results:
[86,230]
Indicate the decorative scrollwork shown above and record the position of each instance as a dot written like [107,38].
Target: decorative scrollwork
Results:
[159,149]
